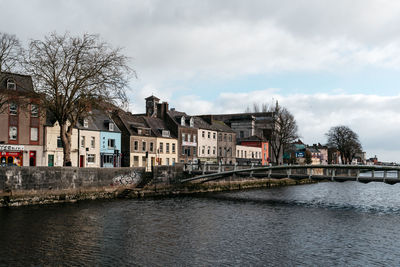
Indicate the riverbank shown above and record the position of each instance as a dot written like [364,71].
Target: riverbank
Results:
[43,197]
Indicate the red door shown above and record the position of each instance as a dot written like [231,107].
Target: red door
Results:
[82,161]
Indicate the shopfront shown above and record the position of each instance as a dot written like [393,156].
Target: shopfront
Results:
[11,155]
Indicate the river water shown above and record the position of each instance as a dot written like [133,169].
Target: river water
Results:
[325,224]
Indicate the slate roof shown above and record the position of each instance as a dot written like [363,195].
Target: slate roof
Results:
[157,125]
[23,82]
[216,125]
[101,119]
[253,138]
[132,122]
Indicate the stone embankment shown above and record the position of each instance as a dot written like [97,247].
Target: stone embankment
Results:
[46,185]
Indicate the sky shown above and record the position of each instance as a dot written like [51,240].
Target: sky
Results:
[328,62]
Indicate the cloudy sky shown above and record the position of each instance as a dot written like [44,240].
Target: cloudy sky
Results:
[329,62]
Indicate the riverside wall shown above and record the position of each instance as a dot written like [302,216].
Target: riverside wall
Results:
[45,185]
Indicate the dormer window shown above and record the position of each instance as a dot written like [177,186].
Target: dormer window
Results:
[11,84]
[165,133]
[191,122]
[183,121]
[85,123]
[111,127]
[139,131]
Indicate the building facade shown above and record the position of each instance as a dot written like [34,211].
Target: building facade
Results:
[21,137]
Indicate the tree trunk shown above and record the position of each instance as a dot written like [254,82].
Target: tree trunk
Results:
[65,133]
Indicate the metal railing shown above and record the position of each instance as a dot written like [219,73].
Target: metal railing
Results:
[361,173]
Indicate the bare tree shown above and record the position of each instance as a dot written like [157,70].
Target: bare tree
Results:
[284,132]
[345,141]
[10,52]
[75,74]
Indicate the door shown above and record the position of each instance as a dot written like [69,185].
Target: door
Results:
[32,158]
[82,161]
[50,160]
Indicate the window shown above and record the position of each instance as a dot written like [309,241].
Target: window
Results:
[111,143]
[220,151]
[143,146]
[92,142]
[85,123]
[166,133]
[167,148]
[151,146]
[230,138]
[241,153]
[13,108]
[208,150]
[59,142]
[111,127]
[173,148]
[135,145]
[13,131]
[245,154]
[220,137]
[225,137]
[91,158]
[209,135]
[11,84]
[265,156]
[214,135]
[194,151]
[191,122]
[189,137]
[83,141]
[34,134]
[183,151]
[241,134]
[194,138]
[161,147]
[173,161]
[183,121]
[265,146]
[167,163]
[214,150]
[108,159]
[203,150]
[34,110]
[183,137]
[203,134]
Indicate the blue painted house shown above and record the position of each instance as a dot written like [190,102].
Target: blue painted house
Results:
[110,140]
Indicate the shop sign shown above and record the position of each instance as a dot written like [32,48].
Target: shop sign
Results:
[186,143]
[11,148]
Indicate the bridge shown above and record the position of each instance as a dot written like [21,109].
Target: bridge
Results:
[337,173]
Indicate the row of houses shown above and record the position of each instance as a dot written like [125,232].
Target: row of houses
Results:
[113,137]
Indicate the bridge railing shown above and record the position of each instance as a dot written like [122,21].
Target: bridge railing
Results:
[212,171]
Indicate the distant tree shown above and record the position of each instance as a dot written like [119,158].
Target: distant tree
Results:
[75,74]
[284,129]
[10,57]
[284,132]
[345,141]
[10,52]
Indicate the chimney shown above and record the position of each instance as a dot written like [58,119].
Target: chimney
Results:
[162,110]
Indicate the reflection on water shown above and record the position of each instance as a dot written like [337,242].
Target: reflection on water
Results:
[321,224]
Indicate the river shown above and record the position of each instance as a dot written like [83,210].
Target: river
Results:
[325,224]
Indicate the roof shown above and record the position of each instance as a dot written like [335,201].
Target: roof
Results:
[152,97]
[216,125]
[101,120]
[242,116]
[23,82]
[157,125]
[253,138]
[133,122]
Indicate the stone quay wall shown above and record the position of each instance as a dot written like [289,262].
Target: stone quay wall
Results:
[21,186]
